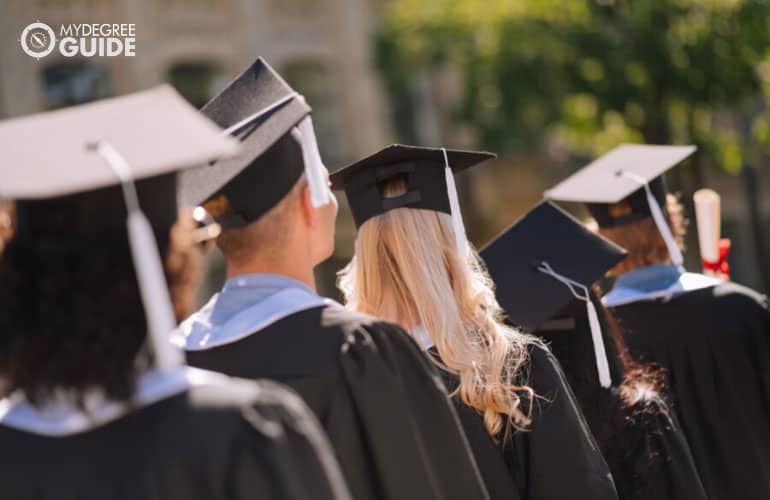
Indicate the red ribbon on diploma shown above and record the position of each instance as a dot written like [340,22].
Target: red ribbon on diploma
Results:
[720,266]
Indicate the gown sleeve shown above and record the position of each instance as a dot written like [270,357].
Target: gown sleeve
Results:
[416,448]
[282,438]
[558,458]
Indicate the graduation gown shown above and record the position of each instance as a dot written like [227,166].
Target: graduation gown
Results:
[556,458]
[714,343]
[216,439]
[643,444]
[379,399]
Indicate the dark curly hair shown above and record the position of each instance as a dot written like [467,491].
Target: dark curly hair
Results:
[71,318]
[643,386]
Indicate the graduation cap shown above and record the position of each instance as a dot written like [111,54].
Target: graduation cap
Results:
[545,260]
[273,123]
[430,183]
[92,168]
[630,171]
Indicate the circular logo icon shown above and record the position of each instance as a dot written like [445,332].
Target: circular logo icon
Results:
[38,40]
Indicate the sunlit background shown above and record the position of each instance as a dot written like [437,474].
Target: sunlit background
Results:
[546,84]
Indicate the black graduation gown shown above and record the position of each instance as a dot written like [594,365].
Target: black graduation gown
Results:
[379,399]
[556,458]
[643,444]
[228,440]
[715,345]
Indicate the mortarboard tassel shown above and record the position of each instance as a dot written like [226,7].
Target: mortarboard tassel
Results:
[314,167]
[660,220]
[147,264]
[461,240]
[600,353]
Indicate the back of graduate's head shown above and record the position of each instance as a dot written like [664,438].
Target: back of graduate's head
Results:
[641,237]
[407,269]
[625,191]
[71,316]
[290,230]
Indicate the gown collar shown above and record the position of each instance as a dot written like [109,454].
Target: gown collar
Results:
[660,281]
[264,283]
[247,304]
[61,417]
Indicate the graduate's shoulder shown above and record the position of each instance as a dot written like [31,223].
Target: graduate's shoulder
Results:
[217,410]
[212,392]
[366,337]
[735,295]
[307,346]
[726,303]
[341,327]
[349,321]
[545,374]
[708,307]
[727,294]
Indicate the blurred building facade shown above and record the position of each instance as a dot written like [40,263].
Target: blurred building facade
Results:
[322,47]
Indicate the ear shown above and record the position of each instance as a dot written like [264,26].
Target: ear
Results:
[309,215]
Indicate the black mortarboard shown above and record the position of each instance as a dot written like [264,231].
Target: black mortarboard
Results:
[545,260]
[273,123]
[630,171]
[72,173]
[429,181]
[545,234]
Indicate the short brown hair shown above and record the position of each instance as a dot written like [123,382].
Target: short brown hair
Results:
[642,239]
[268,234]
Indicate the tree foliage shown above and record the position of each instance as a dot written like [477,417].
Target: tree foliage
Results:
[584,75]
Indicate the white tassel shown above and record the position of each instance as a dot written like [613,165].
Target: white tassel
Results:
[153,289]
[461,240]
[314,167]
[660,221]
[600,353]
[147,264]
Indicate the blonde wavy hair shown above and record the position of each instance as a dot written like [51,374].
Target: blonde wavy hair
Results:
[406,269]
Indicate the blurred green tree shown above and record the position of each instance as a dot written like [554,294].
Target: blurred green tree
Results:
[577,77]
[588,74]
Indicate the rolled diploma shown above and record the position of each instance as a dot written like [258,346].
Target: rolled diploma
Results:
[707,216]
